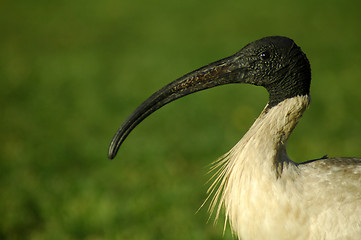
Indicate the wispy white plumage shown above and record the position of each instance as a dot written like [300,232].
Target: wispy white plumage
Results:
[268,196]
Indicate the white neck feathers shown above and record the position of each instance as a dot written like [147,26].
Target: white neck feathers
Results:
[254,163]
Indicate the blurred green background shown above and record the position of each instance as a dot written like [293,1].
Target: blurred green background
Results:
[72,71]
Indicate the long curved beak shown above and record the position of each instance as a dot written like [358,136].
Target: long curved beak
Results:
[225,71]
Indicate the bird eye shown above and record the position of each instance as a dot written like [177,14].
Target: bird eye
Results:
[265,55]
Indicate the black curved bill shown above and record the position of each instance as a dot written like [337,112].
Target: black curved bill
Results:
[225,71]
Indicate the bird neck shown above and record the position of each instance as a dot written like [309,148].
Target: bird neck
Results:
[265,142]
[258,159]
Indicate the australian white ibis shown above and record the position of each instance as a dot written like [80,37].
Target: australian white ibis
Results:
[265,194]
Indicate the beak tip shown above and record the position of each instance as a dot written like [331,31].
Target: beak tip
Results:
[112,152]
[110,157]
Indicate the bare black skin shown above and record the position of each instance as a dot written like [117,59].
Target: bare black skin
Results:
[276,63]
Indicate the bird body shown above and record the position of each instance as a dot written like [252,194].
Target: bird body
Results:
[332,197]
[265,194]
[268,196]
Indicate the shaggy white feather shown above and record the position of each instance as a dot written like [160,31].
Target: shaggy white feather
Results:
[265,194]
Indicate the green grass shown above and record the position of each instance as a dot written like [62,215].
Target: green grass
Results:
[72,71]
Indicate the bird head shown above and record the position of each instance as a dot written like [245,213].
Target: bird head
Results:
[275,63]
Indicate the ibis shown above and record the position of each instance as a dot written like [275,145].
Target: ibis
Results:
[264,194]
